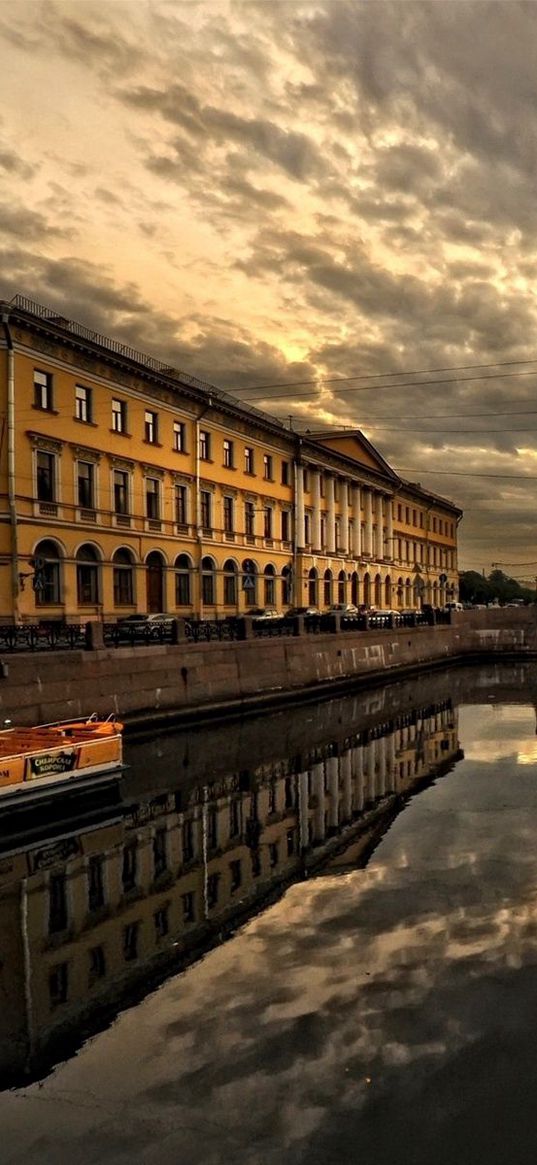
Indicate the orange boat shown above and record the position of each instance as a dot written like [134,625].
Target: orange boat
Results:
[51,754]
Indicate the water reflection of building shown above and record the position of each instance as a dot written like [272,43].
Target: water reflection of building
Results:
[92,916]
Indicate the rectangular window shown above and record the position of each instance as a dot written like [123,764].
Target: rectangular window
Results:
[248,460]
[189,907]
[267,467]
[96,882]
[86,484]
[119,416]
[290,842]
[307,529]
[206,500]
[97,964]
[228,454]
[273,854]
[58,984]
[121,491]
[286,525]
[160,860]
[150,427]
[228,515]
[205,445]
[129,867]
[181,505]
[46,476]
[57,917]
[123,581]
[82,403]
[130,941]
[285,473]
[249,519]
[162,925]
[42,390]
[152,498]
[267,521]
[179,437]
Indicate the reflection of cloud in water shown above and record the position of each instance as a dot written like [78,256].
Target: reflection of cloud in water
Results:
[382,1012]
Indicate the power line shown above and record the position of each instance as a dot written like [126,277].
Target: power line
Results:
[390,387]
[383,375]
[467,473]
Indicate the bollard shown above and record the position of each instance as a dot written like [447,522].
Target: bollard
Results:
[334,622]
[391,620]
[178,630]
[298,624]
[245,628]
[94,636]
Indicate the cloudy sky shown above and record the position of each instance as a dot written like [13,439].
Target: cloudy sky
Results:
[293,194]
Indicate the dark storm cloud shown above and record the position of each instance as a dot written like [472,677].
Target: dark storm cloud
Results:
[12,163]
[29,225]
[292,151]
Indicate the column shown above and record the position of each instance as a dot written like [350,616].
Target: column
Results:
[357,517]
[368,507]
[389,529]
[382,766]
[316,491]
[332,769]
[331,517]
[379,532]
[299,531]
[317,772]
[358,773]
[344,512]
[346,776]
[371,753]
[303,814]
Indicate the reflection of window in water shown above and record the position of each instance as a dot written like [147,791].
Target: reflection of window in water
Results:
[97,964]
[160,861]
[57,919]
[212,890]
[95,882]
[58,984]
[128,873]
[236,876]
[161,922]
[189,907]
[130,941]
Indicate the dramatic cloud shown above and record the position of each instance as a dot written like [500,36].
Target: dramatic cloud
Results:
[269,192]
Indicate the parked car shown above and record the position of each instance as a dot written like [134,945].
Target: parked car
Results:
[258,613]
[144,626]
[303,611]
[346,610]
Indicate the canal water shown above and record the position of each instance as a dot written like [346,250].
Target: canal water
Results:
[306,938]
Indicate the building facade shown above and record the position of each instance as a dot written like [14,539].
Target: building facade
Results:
[127,487]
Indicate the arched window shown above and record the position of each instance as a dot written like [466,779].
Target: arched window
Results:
[341,586]
[208,581]
[387,591]
[47,574]
[87,576]
[270,586]
[287,587]
[183,590]
[401,593]
[313,588]
[367,590]
[355,588]
[249,582]
[230,583]
[122,565]
[154,565]
[327,588]
[378,591]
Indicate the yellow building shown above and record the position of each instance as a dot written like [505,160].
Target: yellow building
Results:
[127,486]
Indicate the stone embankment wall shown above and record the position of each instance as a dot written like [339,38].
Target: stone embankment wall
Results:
[193,680]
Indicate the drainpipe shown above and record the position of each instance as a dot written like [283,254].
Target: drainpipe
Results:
[295,595]
[12,505]
[199,530]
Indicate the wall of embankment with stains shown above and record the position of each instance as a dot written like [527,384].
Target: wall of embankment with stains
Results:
[195,680]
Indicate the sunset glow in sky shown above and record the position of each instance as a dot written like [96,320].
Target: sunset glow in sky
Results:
[268,193]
